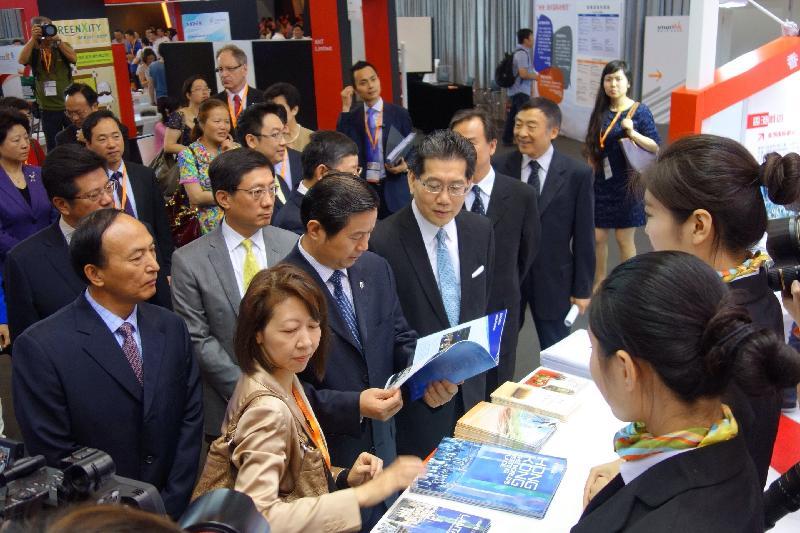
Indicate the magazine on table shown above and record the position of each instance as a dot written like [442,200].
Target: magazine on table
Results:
[454,354]
[506,426]
[547,392]
[413,516]
[485,475]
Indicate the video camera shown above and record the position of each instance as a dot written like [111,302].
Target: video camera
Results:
[782,497]
[783,245]
[28,485]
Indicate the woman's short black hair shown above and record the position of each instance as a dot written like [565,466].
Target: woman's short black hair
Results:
[8,119]
[332,201]
[86,245]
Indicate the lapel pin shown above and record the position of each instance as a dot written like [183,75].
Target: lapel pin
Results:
[360,284]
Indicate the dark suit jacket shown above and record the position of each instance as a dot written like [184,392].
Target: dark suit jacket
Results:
[387,347]
[515,217]
[566,211]
[18,219]
[69,135]
[254,96]
[395,188]
[74,387]
[713,488]
[39,279]
[296,170]
[398,239]
[289,216]
[150,209]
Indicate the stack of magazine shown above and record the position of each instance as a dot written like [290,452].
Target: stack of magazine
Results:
[547,392]
[514,481]
[506,426]
[413,516]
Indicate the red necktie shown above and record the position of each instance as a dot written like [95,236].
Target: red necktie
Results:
[237,104]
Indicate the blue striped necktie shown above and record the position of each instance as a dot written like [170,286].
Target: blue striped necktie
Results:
[344,305]
[448,284]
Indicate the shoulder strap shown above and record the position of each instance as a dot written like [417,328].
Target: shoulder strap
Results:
[234,422]
[632,110]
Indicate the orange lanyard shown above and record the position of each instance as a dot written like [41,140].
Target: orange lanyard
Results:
[235,116]
[608,130]
[47,58]
[313,426]
[378,121]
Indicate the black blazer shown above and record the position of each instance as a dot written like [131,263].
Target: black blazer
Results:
[39,279]
[514,214]
[713,488]
[150,210]
[278,206]
[395,188]
[566,210]
[388,347]
[74,387]
[398,239]
[289,216]
[758,414]
[254,96]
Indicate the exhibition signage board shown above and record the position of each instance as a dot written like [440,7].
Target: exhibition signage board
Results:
[206,26]
[11,71]
[573,42]
[663,72]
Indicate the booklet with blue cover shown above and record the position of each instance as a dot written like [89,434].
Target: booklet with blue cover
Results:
[454,354]
[413,516]
[490,476]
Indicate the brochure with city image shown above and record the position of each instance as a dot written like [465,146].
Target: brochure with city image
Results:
[413,516]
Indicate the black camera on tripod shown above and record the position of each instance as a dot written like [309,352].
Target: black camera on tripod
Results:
[783,245]
[28,485]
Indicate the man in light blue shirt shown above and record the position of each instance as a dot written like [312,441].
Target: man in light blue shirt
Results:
[158,76]
[521,91]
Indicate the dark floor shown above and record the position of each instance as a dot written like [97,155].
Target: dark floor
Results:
[527,350]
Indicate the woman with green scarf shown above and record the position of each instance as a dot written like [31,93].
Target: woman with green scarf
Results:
[667,341]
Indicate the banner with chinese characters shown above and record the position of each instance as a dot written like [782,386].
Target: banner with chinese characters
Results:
[91,40]
[573,42]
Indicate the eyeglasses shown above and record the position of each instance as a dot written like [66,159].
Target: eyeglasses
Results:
[229,70]
[277,136]
[454,189]
[76,114]
[95,195]
[257,193]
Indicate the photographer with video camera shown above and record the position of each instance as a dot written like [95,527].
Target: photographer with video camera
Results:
[51,61]
[704,196]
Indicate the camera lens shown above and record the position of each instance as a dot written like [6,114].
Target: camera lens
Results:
[783,240]
[781,278]
[49,30]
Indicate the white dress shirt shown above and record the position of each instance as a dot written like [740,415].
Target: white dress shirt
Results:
[124,182]
[237,251]
[484,188]
[429,232]
[241,94]
[113,322]
[301,188]
[325,274]
[66,229]
[544,162]
[284,170]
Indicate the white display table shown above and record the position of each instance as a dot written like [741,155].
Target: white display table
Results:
[586,441]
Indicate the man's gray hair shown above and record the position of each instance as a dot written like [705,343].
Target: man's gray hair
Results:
[238,53]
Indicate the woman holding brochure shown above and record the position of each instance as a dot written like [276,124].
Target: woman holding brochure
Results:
[270,435]
[683,464]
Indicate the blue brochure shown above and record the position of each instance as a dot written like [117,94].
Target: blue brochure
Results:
[499,478]
[413,516]
[454,354]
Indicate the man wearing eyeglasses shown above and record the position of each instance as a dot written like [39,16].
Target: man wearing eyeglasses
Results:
[39,277]
[80,101]
[443,260]
[211,274]
[263,127]
[232,72]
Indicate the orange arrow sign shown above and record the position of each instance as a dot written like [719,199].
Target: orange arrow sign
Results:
[657,75]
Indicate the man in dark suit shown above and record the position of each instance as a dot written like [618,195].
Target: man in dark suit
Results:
[111,372]
[369,126]
[80,101]
[327,151]
[443,260]
[38,278]
[370,339]
[563,274]
[511,206]
[232,70]
[262,127]
[211,274]
[137,192]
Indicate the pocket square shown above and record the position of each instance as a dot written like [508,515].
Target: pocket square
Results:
[478,272]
